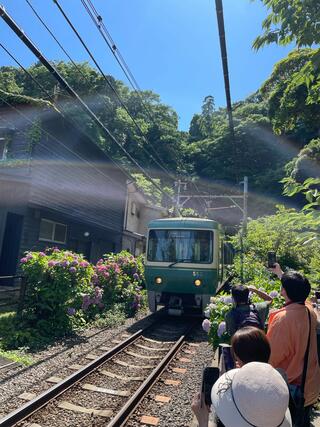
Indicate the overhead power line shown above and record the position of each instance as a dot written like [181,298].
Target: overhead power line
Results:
[98,21]
[86,78]
[7,18]
[59,111]
[56,40]
[114,90]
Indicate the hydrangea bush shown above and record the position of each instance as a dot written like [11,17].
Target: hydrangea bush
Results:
[121,277]
[219,305]
[64,291]
[57,284]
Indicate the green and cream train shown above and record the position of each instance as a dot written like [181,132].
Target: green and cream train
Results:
[184,263]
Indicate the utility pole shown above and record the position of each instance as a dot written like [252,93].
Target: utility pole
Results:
[224,59]
[245,205]
[178,185]
[243,230]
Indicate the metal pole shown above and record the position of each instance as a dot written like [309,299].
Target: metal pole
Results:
[224,59]
[178,195]
[245,205]
[243,230]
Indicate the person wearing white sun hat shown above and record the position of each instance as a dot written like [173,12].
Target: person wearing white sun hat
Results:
[254,395]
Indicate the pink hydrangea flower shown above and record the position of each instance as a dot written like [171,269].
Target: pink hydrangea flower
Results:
[24,260]
[72,270]
[52,263]
[84,264]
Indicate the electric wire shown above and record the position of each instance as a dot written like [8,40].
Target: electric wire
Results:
[98,22]
[60,142]
[112,47]
[109,83]
[27,72]
[21,34]
[41,20]
[67,118]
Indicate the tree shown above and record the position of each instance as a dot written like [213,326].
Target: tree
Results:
[296,21]
[295,90]
[288,233]
[194,129]
[145,127]
[291,99]
[206,119]
[290,21]
[258,153]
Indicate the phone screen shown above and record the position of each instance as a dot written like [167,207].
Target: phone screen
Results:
[272,259]
[209,377]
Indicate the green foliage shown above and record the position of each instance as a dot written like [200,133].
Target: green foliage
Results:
[222,304]
[56,282]
[65,293]
[290,21]
[292,92]
[303,176]
[120,276]
[288,233]
[153,193]
[254,153]
[34,134]
[158,135]
[17,356]
[111,318]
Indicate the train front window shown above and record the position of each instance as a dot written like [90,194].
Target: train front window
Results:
[192,246]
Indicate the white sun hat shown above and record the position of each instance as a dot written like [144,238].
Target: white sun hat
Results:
[254,395]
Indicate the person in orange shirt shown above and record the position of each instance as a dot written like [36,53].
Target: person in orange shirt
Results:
[288,332]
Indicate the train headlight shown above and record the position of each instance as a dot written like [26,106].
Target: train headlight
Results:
[158,280]
[197,282]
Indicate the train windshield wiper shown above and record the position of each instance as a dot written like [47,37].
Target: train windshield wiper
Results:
[179,260]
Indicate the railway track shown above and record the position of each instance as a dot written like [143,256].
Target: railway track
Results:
[107,390]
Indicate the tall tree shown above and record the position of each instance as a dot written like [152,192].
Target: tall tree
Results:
[206,118]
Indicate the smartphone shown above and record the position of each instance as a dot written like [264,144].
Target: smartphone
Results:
[209,377]
[272,259]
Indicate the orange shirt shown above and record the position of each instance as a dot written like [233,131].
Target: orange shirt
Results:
[288,336]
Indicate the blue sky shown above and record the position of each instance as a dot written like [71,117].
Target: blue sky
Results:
[171,46]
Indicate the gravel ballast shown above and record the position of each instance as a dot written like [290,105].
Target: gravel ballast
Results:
[57,358]
[178,411]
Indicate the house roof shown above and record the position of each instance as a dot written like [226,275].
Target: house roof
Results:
[18,99]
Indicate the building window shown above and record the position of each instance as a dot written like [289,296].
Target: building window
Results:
[3,148]
[51,231]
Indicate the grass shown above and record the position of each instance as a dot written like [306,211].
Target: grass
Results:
[17,356]
[114,317]
[7,328]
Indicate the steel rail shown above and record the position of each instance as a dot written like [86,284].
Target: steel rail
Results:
[125,412]
[44,398]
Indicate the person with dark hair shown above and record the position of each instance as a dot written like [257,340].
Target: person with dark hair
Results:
[250,344]
[244,313]
[293,339]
